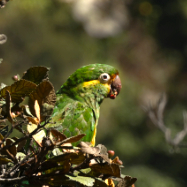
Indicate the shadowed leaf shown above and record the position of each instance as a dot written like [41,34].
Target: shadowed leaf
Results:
[74,158]
[20,145]
[18,90]
[71,139]
[56,136]
[63,168]
[127,181]
[106,169]
[99,183]
[4,160]
[12,149]
[36,74]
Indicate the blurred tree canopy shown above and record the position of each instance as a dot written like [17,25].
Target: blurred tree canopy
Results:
[145,40]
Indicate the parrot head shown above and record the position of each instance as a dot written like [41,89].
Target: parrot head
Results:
[100,80]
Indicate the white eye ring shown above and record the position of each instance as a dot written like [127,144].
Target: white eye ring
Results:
[104,77]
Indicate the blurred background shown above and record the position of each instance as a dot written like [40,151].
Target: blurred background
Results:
[145,40]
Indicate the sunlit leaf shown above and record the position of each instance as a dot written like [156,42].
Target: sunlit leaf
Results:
[116,160]
[2,85]
[110,182]
[18,90]
[37,137]
[85,148]
[37,109]
[36,74]
[87,181]
[33,120]
[85,171]
[8,108]
[20,155]
[62,181]
[46,97]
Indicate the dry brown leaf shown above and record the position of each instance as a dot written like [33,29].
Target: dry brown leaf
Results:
[71,139]
[85,148]
[18,90]
[33,120]
[56,136]
[46,97]
[12,149]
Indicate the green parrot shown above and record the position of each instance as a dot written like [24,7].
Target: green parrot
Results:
[78,100]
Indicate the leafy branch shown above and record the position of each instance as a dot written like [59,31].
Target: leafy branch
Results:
[43,156]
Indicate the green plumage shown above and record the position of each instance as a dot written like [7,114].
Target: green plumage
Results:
[77,107]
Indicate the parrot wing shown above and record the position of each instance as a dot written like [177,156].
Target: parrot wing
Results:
[73,117]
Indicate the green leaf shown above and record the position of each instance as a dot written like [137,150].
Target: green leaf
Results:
[18,90]
[87,181]
[4,160]
[46,97]
[36,74]
[85,171]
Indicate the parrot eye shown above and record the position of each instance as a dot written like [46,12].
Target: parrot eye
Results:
[104,77]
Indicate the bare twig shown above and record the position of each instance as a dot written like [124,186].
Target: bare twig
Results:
[12,179]
[156,117]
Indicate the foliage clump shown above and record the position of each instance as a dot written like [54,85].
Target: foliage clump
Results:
[37,156]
